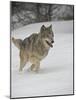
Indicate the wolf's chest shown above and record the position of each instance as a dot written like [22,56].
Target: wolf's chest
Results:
[44,55]
[40,53]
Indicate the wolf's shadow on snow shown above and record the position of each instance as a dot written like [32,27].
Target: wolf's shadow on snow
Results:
[54,69]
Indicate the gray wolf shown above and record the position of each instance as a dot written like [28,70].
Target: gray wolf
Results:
[35,47]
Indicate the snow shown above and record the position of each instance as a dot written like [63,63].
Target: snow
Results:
[56,72]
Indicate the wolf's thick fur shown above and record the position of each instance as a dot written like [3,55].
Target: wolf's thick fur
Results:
[35,47]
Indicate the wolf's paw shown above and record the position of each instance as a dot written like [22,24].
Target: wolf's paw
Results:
[36,71]
[20,72]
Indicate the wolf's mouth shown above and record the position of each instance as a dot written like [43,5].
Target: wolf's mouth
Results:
[49,43]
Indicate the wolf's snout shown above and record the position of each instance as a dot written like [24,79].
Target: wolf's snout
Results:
[52,41]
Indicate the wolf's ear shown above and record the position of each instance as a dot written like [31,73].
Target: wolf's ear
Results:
[50,26]
[42,28]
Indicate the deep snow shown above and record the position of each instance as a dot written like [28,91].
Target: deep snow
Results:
[56,72]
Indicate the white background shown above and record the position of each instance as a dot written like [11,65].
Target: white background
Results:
[5,49]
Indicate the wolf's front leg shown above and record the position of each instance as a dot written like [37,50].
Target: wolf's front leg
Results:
[32,67]
[35,67]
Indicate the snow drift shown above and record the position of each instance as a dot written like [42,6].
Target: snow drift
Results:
[56,72]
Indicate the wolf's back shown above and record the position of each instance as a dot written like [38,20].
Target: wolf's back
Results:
[17,42]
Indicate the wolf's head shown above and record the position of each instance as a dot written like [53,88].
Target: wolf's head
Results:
[47,35]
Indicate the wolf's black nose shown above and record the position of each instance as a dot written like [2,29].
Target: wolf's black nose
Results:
[52,41]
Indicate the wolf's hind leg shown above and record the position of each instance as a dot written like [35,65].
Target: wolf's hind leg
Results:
[22,63]
[23,60]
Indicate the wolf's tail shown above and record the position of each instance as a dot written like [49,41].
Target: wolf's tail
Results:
[17,42]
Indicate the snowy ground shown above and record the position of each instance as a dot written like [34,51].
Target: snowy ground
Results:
[56,74]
